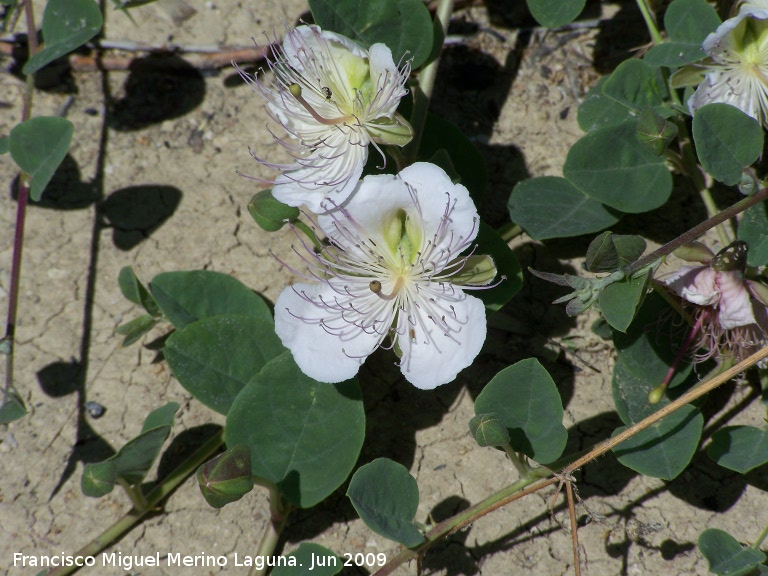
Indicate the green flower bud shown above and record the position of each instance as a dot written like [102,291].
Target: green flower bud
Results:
[488,430]
[270,214]
[227,477]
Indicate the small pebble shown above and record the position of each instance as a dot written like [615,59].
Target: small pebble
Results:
[95,409]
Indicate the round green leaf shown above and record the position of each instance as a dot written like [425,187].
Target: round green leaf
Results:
[644,349]
[631,391]
[403,25]
[739,448]
[386,497]
[440,135]
[67,24]
[611,166]
[185,297]
[38,146]
[609,251]
[726,556]
[598,110]
[687,22]
[551,207]
[619,301]
[304,436]
[636,85]
[727,140]
[554,13]
[753,229]
[214,358]
[301,561]
[664,449]
[526,399]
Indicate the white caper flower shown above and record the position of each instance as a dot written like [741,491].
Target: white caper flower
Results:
[333,98]
[393,268]
[736,71]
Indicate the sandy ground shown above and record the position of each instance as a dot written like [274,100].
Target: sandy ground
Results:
[175,144]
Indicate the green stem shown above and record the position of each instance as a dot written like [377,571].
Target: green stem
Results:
[520,463]
[509,231]
[429,74]
[493,502]
[135,494]
[521,487]
[278,515]
[423,92]
[308,232]
[709,203]
[153,498]
[650,22]
[763,536]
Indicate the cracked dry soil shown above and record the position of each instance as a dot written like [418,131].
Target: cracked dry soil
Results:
[153,184]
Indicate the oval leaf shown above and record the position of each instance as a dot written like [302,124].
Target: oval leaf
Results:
[526,399]
[214,358]
[12,408]
[687,22]
[611,166]
[386,497]
[185,297]
[134,291]
[635,84]
[727,140]
[619,301]
[664,449]
[135,329]
[739,448]
[442,135]
[554,13]
[304,436]
[67,24]
[403,25]
[551,207]
[598,110]
[753,229]
[134,460]
[38,146]
[726,556]
[644,348]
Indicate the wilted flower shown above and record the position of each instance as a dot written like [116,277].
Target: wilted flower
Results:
[333,97]
[736,71]
[393,268]
[730,311]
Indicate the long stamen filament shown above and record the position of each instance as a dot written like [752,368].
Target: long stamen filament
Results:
[375,287]
[655,395]
[296,93]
